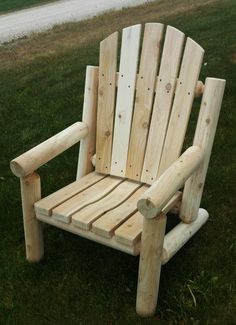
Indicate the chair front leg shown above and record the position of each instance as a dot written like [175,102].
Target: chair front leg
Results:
[30,193]
[150,264]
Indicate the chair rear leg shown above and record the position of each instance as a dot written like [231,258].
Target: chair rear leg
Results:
[30,193]
[150,265]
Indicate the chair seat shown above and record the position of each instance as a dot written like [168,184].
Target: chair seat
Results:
[100,207]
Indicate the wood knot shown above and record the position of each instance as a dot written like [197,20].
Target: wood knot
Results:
[100,92]
[145,125]
[168,86]
[208,121]
[200,185]
[107,133]
[120,116]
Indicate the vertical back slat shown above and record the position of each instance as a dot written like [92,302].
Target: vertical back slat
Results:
[189,73]
[106,102]
[171,56]
[125,98]
[144,98]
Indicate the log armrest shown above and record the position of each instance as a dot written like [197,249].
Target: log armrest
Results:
[31,160]
[162,190]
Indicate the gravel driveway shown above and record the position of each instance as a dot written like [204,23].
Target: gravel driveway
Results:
[23,22]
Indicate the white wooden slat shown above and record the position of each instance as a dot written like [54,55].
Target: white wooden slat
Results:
[64,211]
[107,224]
[125,98]
[171,56]
[48,203]
[84,218]
[149,62]
[106,102]
[188,77]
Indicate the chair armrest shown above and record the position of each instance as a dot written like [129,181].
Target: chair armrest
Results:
[31,160]
[157,196]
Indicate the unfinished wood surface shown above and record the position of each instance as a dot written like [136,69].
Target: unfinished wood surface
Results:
[30,193]
[204,137]
[129,233]
[198,89]
[110,221]
[157,196]
[189,73]
[125,98]
[50,202]
[106,102]
[172,53]
[149,62]
[180,234]
[87,145]
[90,235]
[92,212]
[31,160]
[150,265]
[92,194]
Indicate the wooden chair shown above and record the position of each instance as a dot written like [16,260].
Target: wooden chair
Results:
[135,121]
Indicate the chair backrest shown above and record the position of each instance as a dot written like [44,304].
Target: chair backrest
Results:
[143,113]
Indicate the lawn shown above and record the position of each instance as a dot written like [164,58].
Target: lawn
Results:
[80,282]
[10,5]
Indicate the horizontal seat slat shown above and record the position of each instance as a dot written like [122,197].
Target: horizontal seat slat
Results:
[110,221]
[48,203]
[64,211]
[84,218]
[111,242]
[129,233]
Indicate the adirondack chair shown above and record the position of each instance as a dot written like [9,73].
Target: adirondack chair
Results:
[135,121]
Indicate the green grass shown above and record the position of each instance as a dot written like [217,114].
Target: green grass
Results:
[10,5]
[81,282]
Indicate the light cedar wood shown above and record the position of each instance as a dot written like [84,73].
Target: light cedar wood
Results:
[111,242]
[204,137]
[173,240]
[130,231]
[30,193]
[125,98]
[110,221]
[180,234]
[87,144]
[64,211]
[47,150]
[157,196]
[150,264]
[45,205]
[85,217]
[197,93]
[153,34]
[171,56]
[106,102]
[189,73]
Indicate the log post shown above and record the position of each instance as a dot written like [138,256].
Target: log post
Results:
[87,145]
[150,264]
[204,137]
[30,193]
